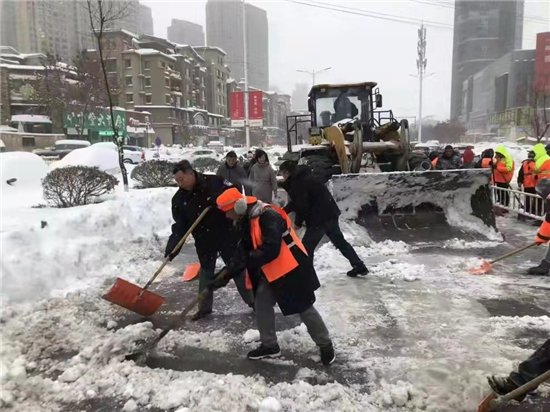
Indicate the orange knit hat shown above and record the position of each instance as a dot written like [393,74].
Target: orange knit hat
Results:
[226,201]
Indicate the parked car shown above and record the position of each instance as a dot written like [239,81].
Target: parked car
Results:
[61,149]
[426,148]
[195,154]
[131,155]
[137,154]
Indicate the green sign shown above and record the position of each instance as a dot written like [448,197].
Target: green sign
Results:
[106,133]
[98,120]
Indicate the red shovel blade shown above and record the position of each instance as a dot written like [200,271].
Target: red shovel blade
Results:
[482,270]
[191,271]
[126,294]
[485,405]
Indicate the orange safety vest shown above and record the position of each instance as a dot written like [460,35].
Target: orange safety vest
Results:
[486,163]
[502,175]
[285,262]
[434,162]
[529,174]
[544,171]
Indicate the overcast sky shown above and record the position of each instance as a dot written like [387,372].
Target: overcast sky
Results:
[357,48]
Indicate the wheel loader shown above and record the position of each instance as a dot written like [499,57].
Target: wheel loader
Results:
[364,156]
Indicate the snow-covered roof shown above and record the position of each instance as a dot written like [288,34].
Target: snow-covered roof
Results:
[215,115]
[115,30]
[219,49]
[21,67]
[145,52]
[30,118]
[15,76]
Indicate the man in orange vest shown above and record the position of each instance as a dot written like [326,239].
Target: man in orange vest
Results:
[278,270]
[543,235]
[526,180]
[503,173]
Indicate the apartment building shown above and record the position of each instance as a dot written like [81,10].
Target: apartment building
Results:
[218,75]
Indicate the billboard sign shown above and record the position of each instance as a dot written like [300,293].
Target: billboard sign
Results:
[236,103]
[255,108]
[542,62]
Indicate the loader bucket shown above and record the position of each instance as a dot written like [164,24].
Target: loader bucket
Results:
[418,207]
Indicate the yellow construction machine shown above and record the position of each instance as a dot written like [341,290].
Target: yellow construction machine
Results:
[364,153]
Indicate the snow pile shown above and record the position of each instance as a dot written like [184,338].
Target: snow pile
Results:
[214,341]
[296,340]
[402,394]
[29,170]
[80,247]
[270,404]
[467,244]
[398,271]
[450,190]
[509,326]
[251,335]
[102,157]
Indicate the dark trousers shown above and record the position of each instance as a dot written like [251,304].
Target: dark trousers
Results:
[314,235]
[537,364]
[208,272]
[531,205]
[503,198]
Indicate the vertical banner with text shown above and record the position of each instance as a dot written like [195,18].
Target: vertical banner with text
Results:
[237,109]
[255,108]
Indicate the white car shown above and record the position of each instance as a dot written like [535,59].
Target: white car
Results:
[132,154]
[195,154]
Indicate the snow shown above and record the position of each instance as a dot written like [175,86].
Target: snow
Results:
[30,118]
[251,335]
[270,404]
[29,170]
[103,158]
[422,345]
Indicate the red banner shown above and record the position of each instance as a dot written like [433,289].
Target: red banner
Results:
[237,105]
[542,62]
[255,106]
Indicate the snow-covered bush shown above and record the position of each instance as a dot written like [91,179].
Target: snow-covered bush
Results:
[206,164]
[76,185]
[154,173]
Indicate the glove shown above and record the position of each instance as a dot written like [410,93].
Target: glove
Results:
[221,279]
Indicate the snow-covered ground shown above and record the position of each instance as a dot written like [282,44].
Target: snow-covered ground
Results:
[416,330]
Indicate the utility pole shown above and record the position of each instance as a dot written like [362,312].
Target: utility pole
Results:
[245,47]
[421,64]
[313,73]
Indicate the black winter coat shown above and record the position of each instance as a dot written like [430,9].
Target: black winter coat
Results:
[309,198]
[187,205]
[235,175]
[294,292]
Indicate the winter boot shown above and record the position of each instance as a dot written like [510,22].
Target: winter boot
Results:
[264,352]
[540,270]
[327,355]
[202,313]
[358,271]
[503,386]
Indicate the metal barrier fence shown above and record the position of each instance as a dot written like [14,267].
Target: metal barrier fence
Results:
[526,204]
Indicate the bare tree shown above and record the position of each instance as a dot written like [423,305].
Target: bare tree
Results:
[103,14]
[532,100]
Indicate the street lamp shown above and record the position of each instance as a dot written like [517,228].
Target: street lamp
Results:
[313,73]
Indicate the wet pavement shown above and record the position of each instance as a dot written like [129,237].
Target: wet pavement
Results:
[234,318]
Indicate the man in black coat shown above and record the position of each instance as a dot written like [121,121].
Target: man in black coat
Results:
[232,171]
[215,233]
[279,271]
[314,205]
[449,160]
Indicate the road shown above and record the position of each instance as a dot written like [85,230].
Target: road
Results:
[433,332]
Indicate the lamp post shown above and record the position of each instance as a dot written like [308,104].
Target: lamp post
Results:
[314,73]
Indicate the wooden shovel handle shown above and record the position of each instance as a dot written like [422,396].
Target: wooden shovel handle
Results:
[513,252]
[529,386]
[178,247]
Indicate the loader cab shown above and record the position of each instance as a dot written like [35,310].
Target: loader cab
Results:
[333,104]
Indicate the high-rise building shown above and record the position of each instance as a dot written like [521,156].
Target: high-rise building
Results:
[58,27]
[145,20]
[186,32]
[224,29]
[484,31]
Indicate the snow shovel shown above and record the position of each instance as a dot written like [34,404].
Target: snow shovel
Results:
[140,300]
[140,355]
[492,401]
[486,266]
[191,271]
